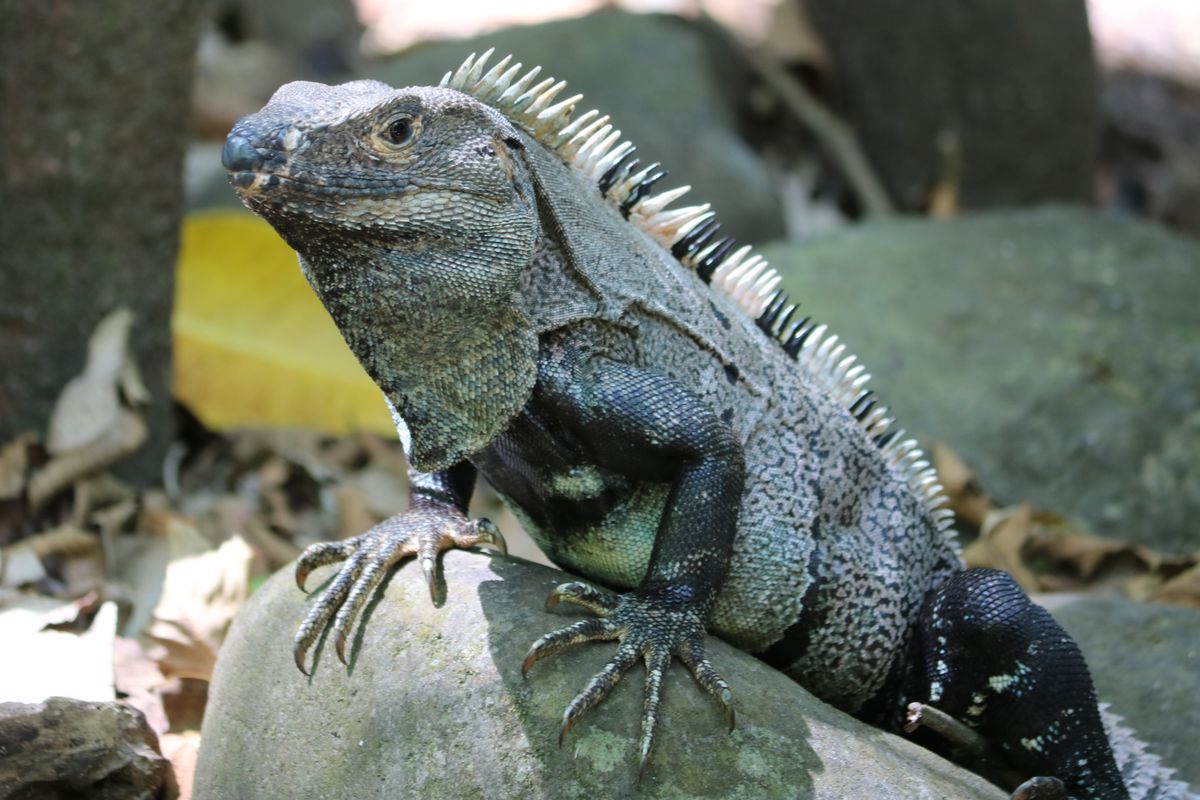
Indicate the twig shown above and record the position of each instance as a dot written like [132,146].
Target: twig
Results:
[831,131]
[970,747]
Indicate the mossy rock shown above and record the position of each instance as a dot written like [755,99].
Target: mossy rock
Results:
[1056,350]
[434,706]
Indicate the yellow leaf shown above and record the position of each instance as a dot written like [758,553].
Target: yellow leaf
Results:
[253,345]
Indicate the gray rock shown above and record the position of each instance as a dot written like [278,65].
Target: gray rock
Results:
[672,87]
[1056,350]
[434,706]
[75,748]
[1145,662]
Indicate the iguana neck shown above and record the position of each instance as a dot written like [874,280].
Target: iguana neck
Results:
[455,358]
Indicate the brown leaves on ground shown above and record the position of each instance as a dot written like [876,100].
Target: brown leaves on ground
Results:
[1047,552]
[107,590]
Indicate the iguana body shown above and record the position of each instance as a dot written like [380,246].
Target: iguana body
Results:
[649,406]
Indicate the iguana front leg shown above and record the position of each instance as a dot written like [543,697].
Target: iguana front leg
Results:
[649,429]
[436,520]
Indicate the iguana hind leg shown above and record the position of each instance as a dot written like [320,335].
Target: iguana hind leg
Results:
[988,656]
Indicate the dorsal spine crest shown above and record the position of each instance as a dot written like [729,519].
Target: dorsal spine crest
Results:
[594,146]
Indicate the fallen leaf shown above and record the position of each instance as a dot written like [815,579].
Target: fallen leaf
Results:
[1001,540]
[253,345]
[54,662]
[182,750]
[1183,589]
[89,404]
[123,436]
[201,592]
[140,682]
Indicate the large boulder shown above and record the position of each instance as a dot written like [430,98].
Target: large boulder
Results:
[1057,350]
[434,706]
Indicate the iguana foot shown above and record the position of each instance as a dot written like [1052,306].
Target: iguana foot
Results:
[650,625]
[424,531]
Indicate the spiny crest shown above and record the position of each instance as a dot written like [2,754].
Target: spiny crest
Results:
[592,145]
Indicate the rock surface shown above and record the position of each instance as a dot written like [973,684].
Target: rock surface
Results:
[74,748]
[1145,662]
[434,706]
[1056,350]
[671,86]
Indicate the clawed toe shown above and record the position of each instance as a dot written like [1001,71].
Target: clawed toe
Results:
[646,630]
[598,688]
[584,596]
[587,630]
[368,558]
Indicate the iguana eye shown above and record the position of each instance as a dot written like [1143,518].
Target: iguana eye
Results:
[399,131]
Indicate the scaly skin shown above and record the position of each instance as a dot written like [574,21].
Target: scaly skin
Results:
[651,434]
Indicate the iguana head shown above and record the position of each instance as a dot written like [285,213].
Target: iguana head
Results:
[415,217]
[423,184]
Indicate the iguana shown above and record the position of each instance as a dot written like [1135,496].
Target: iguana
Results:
[655,411]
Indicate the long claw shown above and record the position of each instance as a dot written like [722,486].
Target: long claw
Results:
[329,601]
[565,728]
[429,567]
[727,702]
[319,555]
[648,625]
[585,596]
[598,688]
[586,630]
[657,663]
[424,530]
[692,655]
[1040,788]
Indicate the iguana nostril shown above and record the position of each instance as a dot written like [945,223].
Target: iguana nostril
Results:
[239,155]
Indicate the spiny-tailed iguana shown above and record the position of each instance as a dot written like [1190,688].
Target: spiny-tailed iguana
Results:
[654,410]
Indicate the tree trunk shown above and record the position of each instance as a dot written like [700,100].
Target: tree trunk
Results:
[96,98]
[997,97]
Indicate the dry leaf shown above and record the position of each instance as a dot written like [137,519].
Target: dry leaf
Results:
[89,403]
[140,681]
[182,750]
[1183,589]
[1000,542]
[1085,553]
[201,592]
[54,662]
[122,437]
